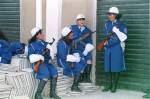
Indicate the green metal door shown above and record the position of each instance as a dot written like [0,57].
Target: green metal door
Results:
[10,18]
[136,15]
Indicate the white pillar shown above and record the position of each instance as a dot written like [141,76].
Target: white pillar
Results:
[53,20]
[39,13]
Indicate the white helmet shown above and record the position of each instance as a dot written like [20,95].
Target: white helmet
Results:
[113,10]
[80,16]
[66,31]
[35,30]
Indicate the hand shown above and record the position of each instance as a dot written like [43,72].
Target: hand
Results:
[115,29]
[106,42]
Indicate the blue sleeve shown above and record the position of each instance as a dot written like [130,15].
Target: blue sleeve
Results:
[30,50]
[61,51]
[75,32]
[114,38]
[89,39]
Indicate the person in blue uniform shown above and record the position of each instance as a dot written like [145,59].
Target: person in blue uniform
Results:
[78,31]
[72,61]
[39,53]
[114,48]
[5,52]
[17,47]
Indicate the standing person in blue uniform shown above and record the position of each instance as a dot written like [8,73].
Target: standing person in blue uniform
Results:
[114,62]
[40,52]
[71,61]
[5,52]
[78,31]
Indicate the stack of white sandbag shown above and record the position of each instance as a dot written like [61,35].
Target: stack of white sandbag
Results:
[20,61]
[23,83]
[5,91]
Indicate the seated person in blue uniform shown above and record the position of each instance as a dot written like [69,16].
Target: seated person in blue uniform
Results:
[5,52]
[114,62]
[78,31]
[40,52]
[72,62]
[17,47]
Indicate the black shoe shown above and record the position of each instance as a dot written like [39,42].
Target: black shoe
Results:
[53,89]
[75,84]
[40,88]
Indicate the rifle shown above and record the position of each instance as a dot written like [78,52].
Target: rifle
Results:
[83,37]
[51,43]
[36,66]
[100,46]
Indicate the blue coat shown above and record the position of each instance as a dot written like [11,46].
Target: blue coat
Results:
[46,70]
[17,48]
[77,33]
[114,54]
[63,50]
[5,52]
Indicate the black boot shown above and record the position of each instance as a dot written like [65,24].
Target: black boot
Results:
[81,77]
[89,67]
[115,78]
[53,89]
[86,73]
[75,84]
[40,88]
[108,84]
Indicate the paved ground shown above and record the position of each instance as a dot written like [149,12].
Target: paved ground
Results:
[121,94]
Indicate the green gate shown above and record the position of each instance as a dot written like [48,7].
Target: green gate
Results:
[10,18]
[135,14]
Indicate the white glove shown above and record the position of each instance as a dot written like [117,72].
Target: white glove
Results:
[88,48]
[73,58]
[0,59]
[76,54]
[51,51]
[35,57]
[122,37]
[122,46]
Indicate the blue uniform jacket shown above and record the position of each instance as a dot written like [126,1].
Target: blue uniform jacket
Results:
[46,70]
[5,52]
[114,54]
[77,33]
[63,50]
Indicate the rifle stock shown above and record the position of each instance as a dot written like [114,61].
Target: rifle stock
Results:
[100,46]
[36,66]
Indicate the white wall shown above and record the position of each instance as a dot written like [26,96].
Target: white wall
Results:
[27,18]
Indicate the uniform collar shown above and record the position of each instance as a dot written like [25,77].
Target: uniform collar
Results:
[81,28]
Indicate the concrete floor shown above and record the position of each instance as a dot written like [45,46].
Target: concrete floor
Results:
[121,94]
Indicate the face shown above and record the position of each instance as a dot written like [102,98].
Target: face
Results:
[70,36]
[111,16]
[81,22]
[40,36]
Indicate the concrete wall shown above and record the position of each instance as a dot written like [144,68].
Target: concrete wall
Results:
[28,18]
